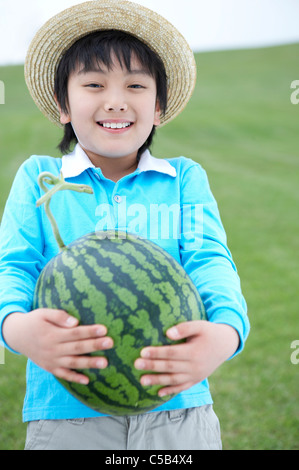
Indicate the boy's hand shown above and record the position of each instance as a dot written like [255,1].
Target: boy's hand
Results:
[53,340]
[183,365]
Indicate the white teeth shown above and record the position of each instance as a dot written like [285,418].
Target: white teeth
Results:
[114,125]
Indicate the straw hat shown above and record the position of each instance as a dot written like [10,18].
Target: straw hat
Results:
[64,29]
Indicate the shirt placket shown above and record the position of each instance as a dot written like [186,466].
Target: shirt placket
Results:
[119,204]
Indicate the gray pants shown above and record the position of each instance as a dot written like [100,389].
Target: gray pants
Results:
[191,429]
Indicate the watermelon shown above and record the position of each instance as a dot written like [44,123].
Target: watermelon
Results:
[134,288]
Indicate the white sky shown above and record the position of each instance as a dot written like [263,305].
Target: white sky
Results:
[206,24]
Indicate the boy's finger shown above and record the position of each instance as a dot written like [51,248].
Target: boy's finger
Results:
[71,376]
[84,362]
[64,320]
[84,332]
[176,352]
[174,389]
[87,346]
[60,318]
[185,330]
[162,365]
[164,379]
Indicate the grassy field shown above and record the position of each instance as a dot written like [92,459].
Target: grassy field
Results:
[244,130]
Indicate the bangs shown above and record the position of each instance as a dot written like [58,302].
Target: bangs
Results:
[96,50]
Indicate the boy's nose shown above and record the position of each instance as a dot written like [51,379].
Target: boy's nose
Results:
[115,107]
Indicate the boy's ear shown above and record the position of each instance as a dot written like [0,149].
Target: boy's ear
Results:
[157,120]
[64,117]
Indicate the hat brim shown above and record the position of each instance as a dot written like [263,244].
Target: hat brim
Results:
[63,30]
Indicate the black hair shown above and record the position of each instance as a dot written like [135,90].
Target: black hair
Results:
[96,49]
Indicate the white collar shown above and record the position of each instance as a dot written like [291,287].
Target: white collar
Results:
[77,161]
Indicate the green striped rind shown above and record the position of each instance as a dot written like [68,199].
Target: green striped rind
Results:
[137,291]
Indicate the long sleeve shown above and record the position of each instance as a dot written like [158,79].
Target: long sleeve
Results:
[206,257]
[21,244]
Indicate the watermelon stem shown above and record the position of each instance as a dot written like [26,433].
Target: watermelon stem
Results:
[59,184]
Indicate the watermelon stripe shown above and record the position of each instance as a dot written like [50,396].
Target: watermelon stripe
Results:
[134,288]
[136,276]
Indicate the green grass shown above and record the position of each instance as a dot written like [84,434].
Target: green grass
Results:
[243,129]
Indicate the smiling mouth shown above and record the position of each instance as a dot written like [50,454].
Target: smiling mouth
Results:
[115,125]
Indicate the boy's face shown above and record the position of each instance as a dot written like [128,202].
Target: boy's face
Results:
[112,111]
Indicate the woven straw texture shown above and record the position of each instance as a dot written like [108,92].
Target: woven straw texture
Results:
[64,29]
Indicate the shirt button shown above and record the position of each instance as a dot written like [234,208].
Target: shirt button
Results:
[117,199]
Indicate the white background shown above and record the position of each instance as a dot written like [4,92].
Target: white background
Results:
[207,24]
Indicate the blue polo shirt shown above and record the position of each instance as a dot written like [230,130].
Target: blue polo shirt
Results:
[167,201]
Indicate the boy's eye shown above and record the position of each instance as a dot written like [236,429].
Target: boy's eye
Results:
[136,86]
[93,85]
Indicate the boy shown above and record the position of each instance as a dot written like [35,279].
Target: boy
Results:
[110,72]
